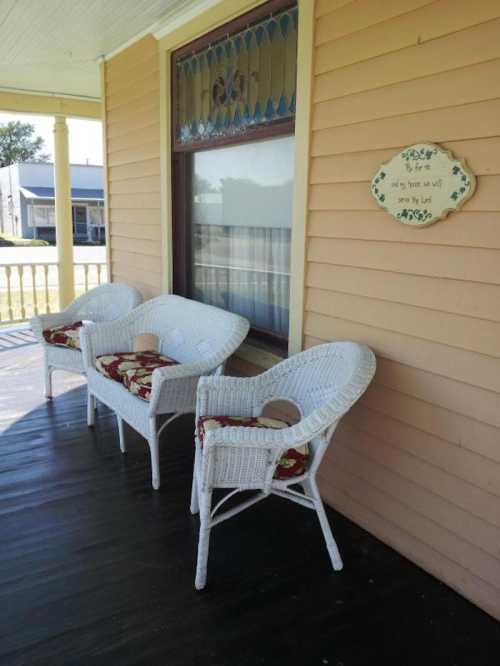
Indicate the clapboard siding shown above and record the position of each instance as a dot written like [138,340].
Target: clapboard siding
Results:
[133,157]
[417,461]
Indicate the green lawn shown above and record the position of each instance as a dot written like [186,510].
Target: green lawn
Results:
[29,306]
[7,240]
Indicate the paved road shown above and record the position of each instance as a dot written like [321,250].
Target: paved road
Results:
[20,255]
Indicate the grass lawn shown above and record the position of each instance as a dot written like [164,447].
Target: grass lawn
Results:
[17,314]
[9,241]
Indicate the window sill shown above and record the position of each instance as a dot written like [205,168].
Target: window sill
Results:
[258,355]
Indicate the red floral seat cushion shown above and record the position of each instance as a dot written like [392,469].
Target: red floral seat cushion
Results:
[292,463]
[64,336]
[131,368]
[140,381]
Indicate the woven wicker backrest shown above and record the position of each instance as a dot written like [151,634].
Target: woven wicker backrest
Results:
[188,330]
[324,381]
[106,302]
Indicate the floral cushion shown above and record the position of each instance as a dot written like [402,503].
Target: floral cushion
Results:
[292,463]
[64,336]
[140,381]
[117,366]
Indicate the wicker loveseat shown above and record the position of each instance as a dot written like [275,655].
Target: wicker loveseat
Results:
[194,339]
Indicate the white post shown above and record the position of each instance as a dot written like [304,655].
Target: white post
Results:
[64,225]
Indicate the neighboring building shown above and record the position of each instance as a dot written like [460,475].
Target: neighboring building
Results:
[27,202]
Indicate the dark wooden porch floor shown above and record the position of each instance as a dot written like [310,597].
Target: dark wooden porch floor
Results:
[96,568]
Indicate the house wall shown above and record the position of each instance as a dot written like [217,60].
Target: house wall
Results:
[11,213]
[417,462]
[132,133]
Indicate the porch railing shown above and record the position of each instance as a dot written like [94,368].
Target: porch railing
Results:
[29,289]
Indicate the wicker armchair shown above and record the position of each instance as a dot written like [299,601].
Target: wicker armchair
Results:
[194,340]
[104,303]
[323,383]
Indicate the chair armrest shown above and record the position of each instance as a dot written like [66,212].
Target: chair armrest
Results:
[41,322]
[227,396]
[267,438]
[104,338]
[176,384]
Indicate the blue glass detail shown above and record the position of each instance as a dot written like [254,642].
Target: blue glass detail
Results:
[284,23]
[218,122]
[228,47]
[271,29]
[269,113]
[209,126]
[237,44]
[247,116]
[194,128]
[258,113]
[237,117]
[185,133]
[219,52]
[227,120]
[248,39]
[292,104]
[259,33]
[282,109]
[209,57]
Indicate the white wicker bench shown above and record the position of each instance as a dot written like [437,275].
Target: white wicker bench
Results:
[199,337]
[323,383]
[104,303]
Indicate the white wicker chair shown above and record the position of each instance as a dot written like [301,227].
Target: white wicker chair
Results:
[198,336]
[104,303]
[323,383]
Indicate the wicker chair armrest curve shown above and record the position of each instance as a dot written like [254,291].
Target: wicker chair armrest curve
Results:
[41,322]
[227,396]
[267,438]
[105,338]
[166,379]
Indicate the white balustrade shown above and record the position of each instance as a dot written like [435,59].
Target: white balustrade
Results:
[28,289]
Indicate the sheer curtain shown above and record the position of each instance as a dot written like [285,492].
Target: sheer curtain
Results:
[241,228]
[252,279]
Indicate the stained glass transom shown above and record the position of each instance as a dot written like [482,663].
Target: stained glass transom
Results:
[244,81]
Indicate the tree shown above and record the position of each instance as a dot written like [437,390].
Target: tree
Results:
[18,143]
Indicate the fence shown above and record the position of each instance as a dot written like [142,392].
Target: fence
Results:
[29,289]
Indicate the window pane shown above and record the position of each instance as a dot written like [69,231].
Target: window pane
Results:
[241,229]
[241,82]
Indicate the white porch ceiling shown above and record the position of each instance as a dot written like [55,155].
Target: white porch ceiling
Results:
[54,46]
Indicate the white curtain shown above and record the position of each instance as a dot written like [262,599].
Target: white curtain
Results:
[245,270]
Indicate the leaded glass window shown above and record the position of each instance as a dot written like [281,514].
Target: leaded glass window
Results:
[244,81]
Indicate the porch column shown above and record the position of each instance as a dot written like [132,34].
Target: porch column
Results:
[64,224]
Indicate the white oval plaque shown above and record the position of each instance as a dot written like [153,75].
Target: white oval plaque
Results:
[422,184]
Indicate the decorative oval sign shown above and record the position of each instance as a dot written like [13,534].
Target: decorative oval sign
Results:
[422,184]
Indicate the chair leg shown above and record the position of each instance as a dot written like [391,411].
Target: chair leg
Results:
[48,381]
[312,489]
[90,409]
[155,454]
[121,434]
[195,505]
[204,540]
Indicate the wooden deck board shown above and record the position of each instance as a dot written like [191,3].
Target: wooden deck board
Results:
[96,568]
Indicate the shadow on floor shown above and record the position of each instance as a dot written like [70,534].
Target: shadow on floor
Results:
[96,568]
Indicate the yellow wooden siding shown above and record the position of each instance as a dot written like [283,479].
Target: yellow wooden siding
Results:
[417,462]
[133,158]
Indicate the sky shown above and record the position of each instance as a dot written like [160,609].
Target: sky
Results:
[85,137]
